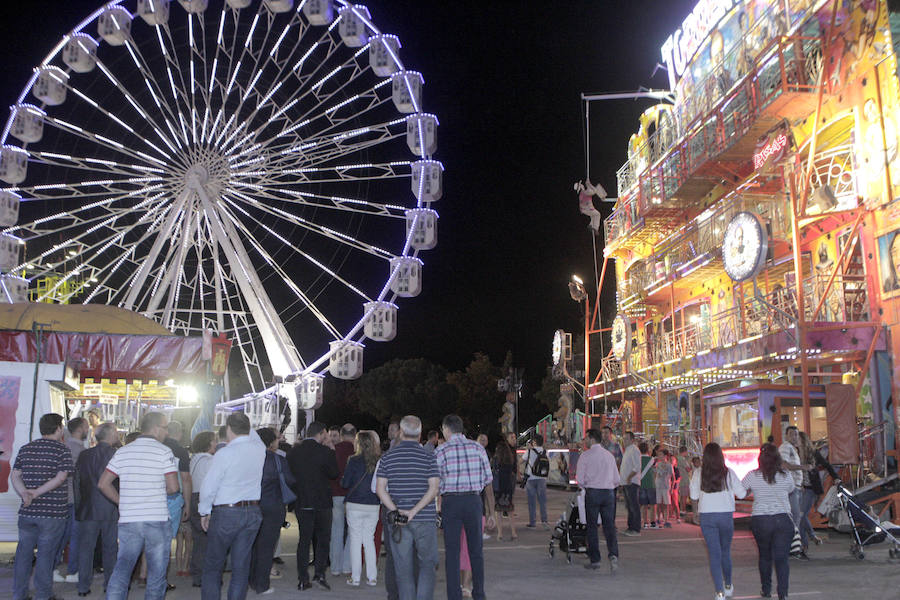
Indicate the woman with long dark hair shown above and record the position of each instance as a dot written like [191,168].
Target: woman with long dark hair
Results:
[714,487]
[770,521]
[505,465]
[271,505]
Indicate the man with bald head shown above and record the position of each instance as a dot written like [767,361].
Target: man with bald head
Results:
[97,516]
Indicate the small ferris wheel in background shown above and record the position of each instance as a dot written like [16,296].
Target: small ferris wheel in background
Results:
[260,169]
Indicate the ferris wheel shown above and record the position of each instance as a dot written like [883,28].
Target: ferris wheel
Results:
[260,169]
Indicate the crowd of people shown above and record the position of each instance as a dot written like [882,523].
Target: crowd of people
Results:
[225,502]
[656,485]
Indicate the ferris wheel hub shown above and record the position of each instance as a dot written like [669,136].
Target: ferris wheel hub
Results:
[196,175]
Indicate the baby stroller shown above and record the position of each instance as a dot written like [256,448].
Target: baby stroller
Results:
[570,533]
[865,527]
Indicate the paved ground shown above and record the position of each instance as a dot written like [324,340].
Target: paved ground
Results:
[665,565]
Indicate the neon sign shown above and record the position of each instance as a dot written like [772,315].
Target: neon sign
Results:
[684,43]
[772,149]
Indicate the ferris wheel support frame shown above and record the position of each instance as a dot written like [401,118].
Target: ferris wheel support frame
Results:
[283,357]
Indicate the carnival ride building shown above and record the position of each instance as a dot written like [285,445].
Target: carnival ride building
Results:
[756,235]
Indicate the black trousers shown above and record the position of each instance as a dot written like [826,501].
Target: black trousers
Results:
[264,547]
[198,549]
[313,521]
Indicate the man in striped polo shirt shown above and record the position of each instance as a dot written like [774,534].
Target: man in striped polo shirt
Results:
[408,483]
[39,472]
[147,473]
[465,472]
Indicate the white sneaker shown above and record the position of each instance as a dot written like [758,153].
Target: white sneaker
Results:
[485,536]
[57,577]
[729,591]
[72,578]
[268,591]
[719,596]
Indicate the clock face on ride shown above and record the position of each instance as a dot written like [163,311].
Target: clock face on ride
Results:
[621,336]
[744,247]
[557,346]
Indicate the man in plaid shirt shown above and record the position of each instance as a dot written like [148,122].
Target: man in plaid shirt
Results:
[465,472]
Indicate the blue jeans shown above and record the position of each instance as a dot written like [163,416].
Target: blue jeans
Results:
[339,556]
[154,539]
[463,512]
[602,503]
[45,535]
[418,540]
[807,499]
[718,529]
[70,538]
[230,528]
[88,532]
[773,534]
[631,504]
[536,489]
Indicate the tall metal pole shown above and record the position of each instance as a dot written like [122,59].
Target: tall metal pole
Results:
[587,352]
[801,310]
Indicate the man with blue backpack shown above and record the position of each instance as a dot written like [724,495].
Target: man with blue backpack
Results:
[537,468]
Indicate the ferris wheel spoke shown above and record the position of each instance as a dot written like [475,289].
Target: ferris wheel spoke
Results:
[157,91]
[75,130]
[178,87]
[314,200]
[104,283]
[321,230]
[96,249]
[138,107]
[73,216]
[106,222]
[340,142]
[332,47]
[287,280]
[315,92]
[97,165]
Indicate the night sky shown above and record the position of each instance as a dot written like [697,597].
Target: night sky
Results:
[505,79]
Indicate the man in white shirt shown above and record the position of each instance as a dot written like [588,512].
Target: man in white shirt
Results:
[790,457]
[147,473]
[536,481]
[229,508]
[597,475]
[630,473]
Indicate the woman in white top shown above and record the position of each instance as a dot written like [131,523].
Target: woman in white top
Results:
[770,521]
[715,486]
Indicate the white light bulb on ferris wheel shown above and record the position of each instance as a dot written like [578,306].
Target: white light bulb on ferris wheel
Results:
[237,166]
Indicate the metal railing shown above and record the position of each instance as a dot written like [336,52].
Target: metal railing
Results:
[845,301]
[790,64]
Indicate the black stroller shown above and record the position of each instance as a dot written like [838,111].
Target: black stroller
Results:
[570,534]
[865,527]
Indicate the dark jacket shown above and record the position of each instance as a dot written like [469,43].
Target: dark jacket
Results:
[313,466]
[270,493]
[90,503]
[358,482]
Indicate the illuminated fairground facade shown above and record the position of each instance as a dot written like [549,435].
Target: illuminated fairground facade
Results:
[756,236]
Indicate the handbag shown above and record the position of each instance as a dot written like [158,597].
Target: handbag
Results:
[287,494]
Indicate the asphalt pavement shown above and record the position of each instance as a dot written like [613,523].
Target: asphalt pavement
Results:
[666,564]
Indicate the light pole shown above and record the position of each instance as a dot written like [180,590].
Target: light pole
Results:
[579,294]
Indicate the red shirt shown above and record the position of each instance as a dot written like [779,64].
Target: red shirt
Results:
[343,451]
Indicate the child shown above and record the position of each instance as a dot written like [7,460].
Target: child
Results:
[684,486]
[664,476]
[673,491]
[647,493]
